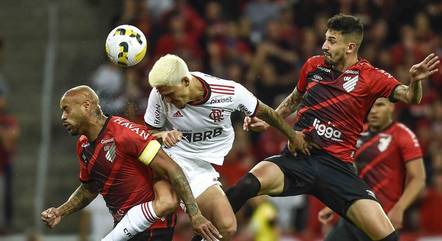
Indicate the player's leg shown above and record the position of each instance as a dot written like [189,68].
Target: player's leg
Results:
[142,216]
[369,216]
[166,201]
[342,190]
[345,231]
[214,206]
[264,178]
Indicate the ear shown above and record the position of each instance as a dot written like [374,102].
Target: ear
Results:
[86,105]
[185,81]
[351,48]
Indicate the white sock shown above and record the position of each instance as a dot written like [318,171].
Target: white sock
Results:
[136,220]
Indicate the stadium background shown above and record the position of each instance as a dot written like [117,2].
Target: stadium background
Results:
[50,46]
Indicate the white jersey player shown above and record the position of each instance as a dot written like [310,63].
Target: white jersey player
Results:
[190,112]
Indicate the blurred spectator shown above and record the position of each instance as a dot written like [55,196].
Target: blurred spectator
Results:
[9,132]
[264,222]
[108,82]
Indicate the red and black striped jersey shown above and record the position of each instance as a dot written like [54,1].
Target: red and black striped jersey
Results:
[380,159]
[335,104]
[111,163]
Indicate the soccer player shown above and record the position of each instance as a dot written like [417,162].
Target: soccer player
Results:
[389,160]
[118,159]
[333,96]
[191,112]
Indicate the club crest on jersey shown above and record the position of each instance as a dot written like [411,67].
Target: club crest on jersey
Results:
[110,149]
[217,115]
[384,142]
[350,82]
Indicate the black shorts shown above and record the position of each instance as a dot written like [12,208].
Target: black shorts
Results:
[322,175]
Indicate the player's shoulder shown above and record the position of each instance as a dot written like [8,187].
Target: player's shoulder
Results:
[402,131]
[218,85]
[121,129]
[367,68]
[316,60]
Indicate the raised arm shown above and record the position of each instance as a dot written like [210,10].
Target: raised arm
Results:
[412,94]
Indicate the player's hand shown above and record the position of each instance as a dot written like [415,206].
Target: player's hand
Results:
[298,143]
[325,216]
[171,138]
[51,217]
[424,69]
[254,124]
[396,216]
[205,228]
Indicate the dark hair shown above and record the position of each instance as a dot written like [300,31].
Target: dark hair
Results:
[346,24]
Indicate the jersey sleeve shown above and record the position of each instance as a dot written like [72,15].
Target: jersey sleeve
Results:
[301,86]
[409,145]
[382,84]
[135,141]
[245,101]
[155,112]
[84,174]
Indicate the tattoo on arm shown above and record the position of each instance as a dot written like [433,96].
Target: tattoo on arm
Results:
[289,104]
[79,199]
[409,94]
[182,187]
[274,119]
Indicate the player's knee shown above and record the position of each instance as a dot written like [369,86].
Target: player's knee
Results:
[166,204]
[391,237]
[228,227]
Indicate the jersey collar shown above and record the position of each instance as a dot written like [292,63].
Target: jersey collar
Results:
[206,95]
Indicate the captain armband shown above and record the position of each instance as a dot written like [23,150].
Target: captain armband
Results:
[149,152]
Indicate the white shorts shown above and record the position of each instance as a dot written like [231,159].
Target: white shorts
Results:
[200,174]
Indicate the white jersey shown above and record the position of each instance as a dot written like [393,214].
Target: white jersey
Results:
[206,127]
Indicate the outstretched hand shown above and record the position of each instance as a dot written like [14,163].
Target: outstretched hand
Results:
[424,69]
[205,228]
[171,138]
[254,124]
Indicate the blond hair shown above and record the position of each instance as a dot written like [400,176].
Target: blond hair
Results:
[168,70]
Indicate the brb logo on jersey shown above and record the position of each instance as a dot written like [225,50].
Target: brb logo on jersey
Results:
[217,115]
[328,131]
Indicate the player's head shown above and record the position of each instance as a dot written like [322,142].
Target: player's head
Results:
[381,114]
[171,77]
[343,38]
[79,106]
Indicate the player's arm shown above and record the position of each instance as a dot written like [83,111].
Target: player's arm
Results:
[290,104]
[412,94]
[270,116]
[79,199]
[162,164]
[414,185]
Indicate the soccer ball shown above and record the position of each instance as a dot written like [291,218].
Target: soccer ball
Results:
[126,45]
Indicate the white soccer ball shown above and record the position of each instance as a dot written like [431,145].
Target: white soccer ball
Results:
[126,45]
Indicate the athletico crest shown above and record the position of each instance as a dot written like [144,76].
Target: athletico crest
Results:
[110,149]
[384,142]
[350,82]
